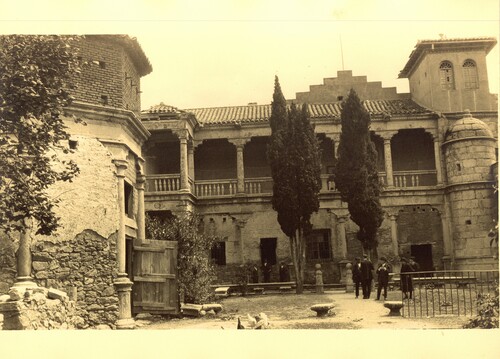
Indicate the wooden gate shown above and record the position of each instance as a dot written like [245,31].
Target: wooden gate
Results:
[155,282]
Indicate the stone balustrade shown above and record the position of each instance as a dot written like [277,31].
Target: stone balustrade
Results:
[215,188]
[415,178]
[264,185]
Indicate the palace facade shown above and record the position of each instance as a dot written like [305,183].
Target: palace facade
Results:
[436,159]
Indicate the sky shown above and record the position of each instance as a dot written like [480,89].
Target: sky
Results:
[226,53]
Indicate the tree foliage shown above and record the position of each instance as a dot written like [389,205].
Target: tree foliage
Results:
[195,272]
[294,157]
[36,74]
[355,172]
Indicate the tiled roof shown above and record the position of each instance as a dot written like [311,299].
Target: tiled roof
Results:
[261,113]
[162,108]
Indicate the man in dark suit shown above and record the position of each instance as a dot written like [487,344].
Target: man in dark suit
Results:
[366,276]
[383,271]
[356,274]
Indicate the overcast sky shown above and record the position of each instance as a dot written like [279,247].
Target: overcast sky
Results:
[226,53]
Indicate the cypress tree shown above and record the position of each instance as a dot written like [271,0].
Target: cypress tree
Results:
[355,172]
[293,154]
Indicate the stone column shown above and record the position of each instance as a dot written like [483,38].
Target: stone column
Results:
[240,224]
[24,262]
[394,234]
[184,163]
[141,223]
[122,284]
[239,143]
[437,159]
[342,240]
[388,160]
[191,160]
[240,168]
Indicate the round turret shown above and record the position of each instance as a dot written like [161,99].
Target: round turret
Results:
[469,154]
[469,150]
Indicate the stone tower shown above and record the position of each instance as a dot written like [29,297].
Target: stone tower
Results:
[469,155]
[450,75]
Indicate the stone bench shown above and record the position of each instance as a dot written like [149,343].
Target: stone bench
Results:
[285,289]
[222,291]
[258,290]
[395,308]
[322,309]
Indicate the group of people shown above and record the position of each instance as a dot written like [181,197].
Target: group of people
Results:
[267,270]
[362,275]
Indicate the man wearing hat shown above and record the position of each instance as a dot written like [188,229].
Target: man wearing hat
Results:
[383,270]
[366,276]
[356,274]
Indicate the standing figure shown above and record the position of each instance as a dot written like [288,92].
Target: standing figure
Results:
[266,271]
[284,274]
[356,274]
[383,271]
[406,280]
[366,276]
[254,274]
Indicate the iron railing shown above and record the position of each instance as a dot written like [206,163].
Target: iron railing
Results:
[431,294]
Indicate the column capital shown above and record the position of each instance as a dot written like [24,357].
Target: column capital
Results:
[239,142]
[386,135]
[335,137]
[393,216]
[343,218]
[121,167]
[140,179]
[182,134]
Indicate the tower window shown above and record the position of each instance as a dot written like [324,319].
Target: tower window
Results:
[447,80]
[470,75]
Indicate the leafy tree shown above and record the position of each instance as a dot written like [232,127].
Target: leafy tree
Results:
[195,272]
[294,157]
[355,172]
[36,74]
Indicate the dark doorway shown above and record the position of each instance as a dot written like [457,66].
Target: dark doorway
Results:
[268,250]
[423,256]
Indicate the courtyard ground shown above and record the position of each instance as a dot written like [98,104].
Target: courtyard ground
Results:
[291,311]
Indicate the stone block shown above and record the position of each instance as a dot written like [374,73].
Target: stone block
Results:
[57,294]
[322,309]
[217,308]
[191,310]
[395,307]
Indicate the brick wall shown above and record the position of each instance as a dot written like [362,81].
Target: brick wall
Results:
[110,73]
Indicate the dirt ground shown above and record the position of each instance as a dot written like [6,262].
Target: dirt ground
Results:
[291,311]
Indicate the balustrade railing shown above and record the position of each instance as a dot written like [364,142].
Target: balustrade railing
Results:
[215,188]
[163,183]
[264,185]
[415,178]
[258,185]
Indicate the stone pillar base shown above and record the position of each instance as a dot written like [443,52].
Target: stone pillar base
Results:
[123,287]
[342,269]
[24,282]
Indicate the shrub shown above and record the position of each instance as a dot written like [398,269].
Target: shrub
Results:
[195,271]
[487,317]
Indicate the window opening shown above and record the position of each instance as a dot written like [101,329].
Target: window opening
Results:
[318,245]
[447,79]
[129,200]
[470,75]
[219,253]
